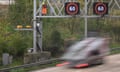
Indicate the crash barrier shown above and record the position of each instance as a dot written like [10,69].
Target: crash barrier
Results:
[112,51]
[28,65]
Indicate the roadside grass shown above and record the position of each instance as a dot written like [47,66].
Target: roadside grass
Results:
[28,69]
[18,62]
[114,45]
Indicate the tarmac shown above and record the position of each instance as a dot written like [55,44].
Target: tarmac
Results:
[112,64]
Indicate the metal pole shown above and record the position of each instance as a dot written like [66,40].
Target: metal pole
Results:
[34,26]
[85,18]
[41,36]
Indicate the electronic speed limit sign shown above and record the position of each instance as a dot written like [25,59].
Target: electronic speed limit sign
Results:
[72,8]
[100,8]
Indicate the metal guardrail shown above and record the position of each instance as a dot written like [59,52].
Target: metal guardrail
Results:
[113,51]
[29,65]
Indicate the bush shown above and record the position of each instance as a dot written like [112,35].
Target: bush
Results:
[3,47]
[56,42]
[17,45]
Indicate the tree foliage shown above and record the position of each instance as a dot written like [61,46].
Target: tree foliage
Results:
[21,12]
[55,43]
[12,41]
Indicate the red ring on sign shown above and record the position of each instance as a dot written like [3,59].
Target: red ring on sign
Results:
[96,8]
[72,4]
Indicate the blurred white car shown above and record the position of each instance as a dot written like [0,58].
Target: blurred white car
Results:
[86,52]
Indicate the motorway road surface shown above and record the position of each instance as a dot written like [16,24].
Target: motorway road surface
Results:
[112,64]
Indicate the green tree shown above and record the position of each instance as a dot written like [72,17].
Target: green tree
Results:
[17,45]
[21,12]
[55,43]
